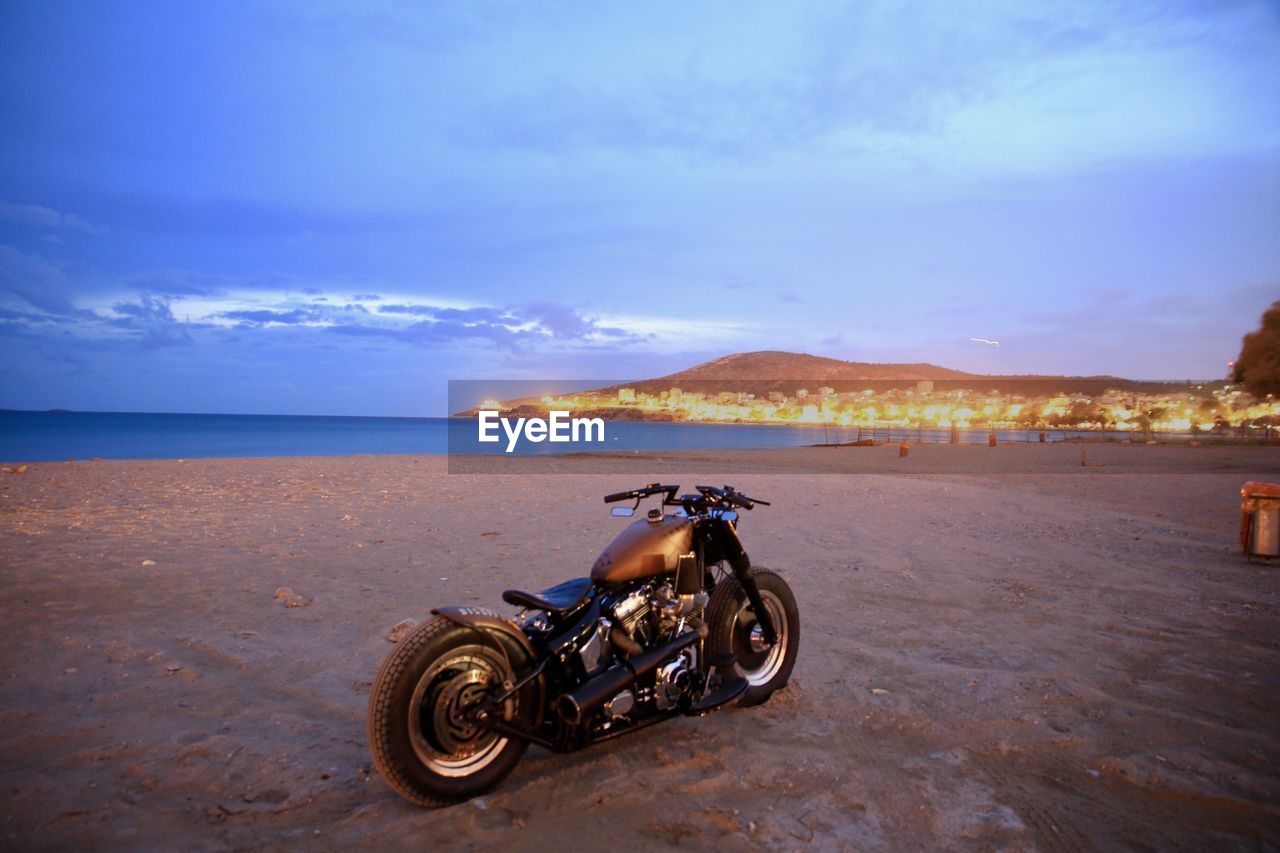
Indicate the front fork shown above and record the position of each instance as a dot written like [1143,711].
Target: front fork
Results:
[731,547]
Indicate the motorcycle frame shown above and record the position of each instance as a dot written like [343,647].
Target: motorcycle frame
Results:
[558,669]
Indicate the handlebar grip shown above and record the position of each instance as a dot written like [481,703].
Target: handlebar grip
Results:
[637,494]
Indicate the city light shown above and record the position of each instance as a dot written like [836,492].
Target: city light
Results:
[1181,409]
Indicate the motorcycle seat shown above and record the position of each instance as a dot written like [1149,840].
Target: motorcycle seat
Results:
[560,598]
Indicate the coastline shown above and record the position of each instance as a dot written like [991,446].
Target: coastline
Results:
[1060,458]
[45,436]
[1104,457]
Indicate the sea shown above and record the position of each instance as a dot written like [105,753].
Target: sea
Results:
[58,435]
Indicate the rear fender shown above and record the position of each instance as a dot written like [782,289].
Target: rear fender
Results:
[508,636]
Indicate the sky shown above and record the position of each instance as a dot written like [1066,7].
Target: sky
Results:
[336,207]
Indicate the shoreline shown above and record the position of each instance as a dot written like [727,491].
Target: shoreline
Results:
[775,456]
[47,437]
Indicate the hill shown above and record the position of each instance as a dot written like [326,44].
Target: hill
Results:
[768,365]
[772,371]
[776,370]
[765,371]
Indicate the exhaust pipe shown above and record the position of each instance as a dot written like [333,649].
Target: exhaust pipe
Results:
[576,706]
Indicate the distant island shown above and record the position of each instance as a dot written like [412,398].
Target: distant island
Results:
[773,387]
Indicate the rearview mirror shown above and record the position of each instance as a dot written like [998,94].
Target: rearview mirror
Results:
[623,511]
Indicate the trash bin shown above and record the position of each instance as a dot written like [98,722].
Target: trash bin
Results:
[1260,519]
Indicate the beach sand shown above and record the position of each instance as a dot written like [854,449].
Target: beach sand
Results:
[1000,648]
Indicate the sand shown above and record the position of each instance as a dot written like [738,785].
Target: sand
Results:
[999,650]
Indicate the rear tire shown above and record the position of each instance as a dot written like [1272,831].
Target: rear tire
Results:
[734,629]
[423,744]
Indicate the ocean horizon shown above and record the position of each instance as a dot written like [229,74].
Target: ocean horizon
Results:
[58,435]
[67,434]
[44,436]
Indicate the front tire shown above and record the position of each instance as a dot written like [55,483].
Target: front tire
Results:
[423,742]
[734,628]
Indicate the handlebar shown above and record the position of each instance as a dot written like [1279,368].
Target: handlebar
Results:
[732,497]
[710,495]
[643,492]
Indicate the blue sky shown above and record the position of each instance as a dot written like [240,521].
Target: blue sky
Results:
[336,207]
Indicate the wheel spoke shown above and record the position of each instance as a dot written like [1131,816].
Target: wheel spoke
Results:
[444,735]
[759,667]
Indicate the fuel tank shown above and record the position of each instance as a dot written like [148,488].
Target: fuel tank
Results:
[644,548]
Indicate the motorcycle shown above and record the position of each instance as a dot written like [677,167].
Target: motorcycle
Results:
[659,629]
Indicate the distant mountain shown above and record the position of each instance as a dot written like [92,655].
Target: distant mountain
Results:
[775,370]
[767,371]
[770,365]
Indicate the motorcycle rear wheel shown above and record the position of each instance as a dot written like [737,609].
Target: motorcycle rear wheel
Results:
[423,742]
[734,628]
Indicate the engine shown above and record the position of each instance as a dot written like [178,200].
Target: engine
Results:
[654,611]
[641,619]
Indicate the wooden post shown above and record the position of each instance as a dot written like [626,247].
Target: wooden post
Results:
[903,450]
[955,434]
[991,439]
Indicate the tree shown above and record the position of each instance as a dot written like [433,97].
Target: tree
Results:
[1081,412]
[1028,417]
[1258,365]
[1149,417]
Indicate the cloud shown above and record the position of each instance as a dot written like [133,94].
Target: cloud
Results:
[174,304]
[615,332]
[151,320]
[500,316]
[178,283]
[511,327]
[856,87]
[414,310]
[428,333]
[562,322]
[266,316]
[559,320]
[554,321]
[26,317]
[36,281]
[44,217]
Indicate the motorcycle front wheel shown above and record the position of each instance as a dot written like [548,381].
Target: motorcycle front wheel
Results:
[422,734]
[735,628]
